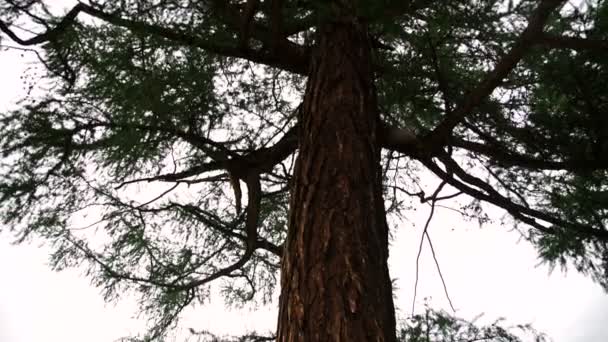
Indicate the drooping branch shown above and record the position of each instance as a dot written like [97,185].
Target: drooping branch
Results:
[499,201]
[292,58]
[509,158]
[425,234]
[479,189]
[216,150]
[254,193]
[107,269]
[493,79]
[250,239]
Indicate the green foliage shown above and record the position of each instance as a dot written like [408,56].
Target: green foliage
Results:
[433,325]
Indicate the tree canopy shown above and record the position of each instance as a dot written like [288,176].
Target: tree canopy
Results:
[161,153]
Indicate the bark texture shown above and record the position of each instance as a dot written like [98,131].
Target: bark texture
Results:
[335,280]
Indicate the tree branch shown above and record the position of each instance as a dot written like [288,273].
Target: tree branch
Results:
[493,79]
[227,229]
[488,194]
[574,43]
[425,233]
[507,158]
[179,177]
[293,57]
[398,139]
[251,226]
[251,6]
[261,160]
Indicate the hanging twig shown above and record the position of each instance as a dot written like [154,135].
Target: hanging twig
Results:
[426,227]
[445,288]
[425,233]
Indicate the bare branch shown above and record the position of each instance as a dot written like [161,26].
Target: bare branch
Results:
[177,177]
[445,287]
[49,35]
[425,233]
[426,227]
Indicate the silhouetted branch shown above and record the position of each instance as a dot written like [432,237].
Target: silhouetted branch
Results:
[180,177]
[574,43]
[493,79]
[228,230]
[433,198]
[251,226]
[445,287]
[488,194]
[507,158]
[426,227]
[293,58]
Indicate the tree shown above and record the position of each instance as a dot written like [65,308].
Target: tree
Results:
[326,111]
[438,326]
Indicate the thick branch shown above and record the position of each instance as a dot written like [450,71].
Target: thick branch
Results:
[505,157]
[488,194]
[264,159]
[397,139]
[493,79]
[300,25]
[293,58]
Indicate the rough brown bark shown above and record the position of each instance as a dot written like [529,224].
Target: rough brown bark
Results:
[335,280]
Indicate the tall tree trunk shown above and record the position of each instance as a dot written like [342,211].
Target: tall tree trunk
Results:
[335,280]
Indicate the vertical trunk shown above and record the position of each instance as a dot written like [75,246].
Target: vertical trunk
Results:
[335,281]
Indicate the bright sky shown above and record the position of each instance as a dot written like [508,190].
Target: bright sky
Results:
[486,270]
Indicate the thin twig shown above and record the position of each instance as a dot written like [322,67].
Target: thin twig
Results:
[445,288]
[426,227]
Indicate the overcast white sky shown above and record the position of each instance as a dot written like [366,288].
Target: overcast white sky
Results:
[486,270]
